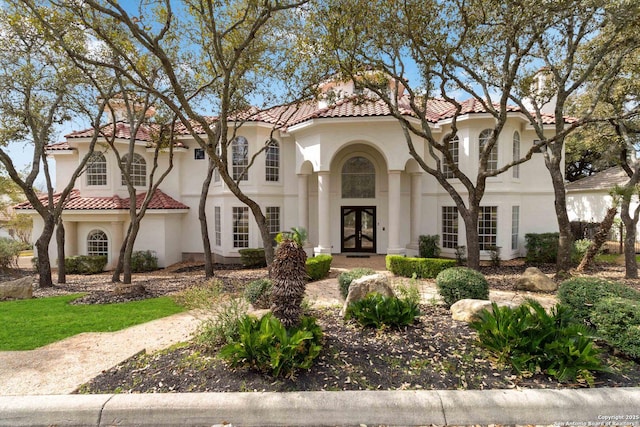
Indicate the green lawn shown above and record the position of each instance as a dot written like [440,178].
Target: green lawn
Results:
[29,324]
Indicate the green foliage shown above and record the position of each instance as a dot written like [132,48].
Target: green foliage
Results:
[379,311]
[142,261]
[252,257]
[345,278]
[258,293]
[583,293]
[461,255]
[580,248]
[531,340]
[223,327]
[541,247]
[267,346]
[318,267]
[428,246]
[494,252]
[618,322]
[9,252]
[201,297]
[29,324]
[459,283]
[423,268]
[297,234]
[85,264]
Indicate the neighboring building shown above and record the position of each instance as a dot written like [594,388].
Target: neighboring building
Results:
[589,198]
[343,171]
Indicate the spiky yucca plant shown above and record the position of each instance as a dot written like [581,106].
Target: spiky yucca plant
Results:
[289,278]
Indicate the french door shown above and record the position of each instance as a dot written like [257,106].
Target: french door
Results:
[358,229]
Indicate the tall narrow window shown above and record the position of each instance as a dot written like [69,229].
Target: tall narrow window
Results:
[273,222]
[492,161]
[97,243]
[217,226]
[516,154]
[449,227]
[454,149]
[487,227]
[241,227]
[272,162]
[138,171]
[358,179]
[515,226]
[97,169]
[239,158]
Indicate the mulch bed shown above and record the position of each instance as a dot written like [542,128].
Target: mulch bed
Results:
[435,353]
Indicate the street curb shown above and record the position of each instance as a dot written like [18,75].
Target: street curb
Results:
[588,407]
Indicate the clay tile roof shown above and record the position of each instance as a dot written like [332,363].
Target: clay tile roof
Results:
[120,130]
[604,180]
[159,200]
[58,146]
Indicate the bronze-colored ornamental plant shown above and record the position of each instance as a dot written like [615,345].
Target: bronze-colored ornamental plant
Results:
[289,278]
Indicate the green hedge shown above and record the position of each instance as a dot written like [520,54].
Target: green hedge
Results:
[142,261]
[424,268]
[542,247]
[318,266]
[618,322]
[252,257]
[85,264]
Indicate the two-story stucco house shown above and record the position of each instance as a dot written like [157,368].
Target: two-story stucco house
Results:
[343,171]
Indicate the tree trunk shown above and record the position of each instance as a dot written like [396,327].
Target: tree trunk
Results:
[204,226]
[60,239]
[630,263]
[598,239]
[42,248]
[470,219]
[565,241]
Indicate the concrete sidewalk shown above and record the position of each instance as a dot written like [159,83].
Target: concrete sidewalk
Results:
[592,407]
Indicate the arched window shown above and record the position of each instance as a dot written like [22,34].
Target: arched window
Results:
[97,243]
[492,162]
[454,150]
[358,179]
[239,158]
[138,171]
[516,154]
[97,169]
[272,162]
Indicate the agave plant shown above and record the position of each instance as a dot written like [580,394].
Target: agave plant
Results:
[289,278]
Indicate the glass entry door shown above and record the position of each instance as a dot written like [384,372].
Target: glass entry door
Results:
[358,229]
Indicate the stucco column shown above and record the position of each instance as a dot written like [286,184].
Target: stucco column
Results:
[303,201]
[394,213]
[324,209]
[117,236]
[416,209]
[71,238]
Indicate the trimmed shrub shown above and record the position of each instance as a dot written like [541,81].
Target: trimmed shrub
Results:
[583,293]
[142,261]
[378,310]
[85,264]
[318,267]
[541,247]
[9,252]
[423,268]
[459,283]
[345,279]
[267,346]
[618,322]
[428,246]
[258,293]
[530,339]
[252,257]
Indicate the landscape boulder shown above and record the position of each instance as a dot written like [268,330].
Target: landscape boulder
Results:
[467,310]
[535,280]
[17,289]
[365,285]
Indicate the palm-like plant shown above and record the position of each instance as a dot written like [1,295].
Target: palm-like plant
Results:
[289,278]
